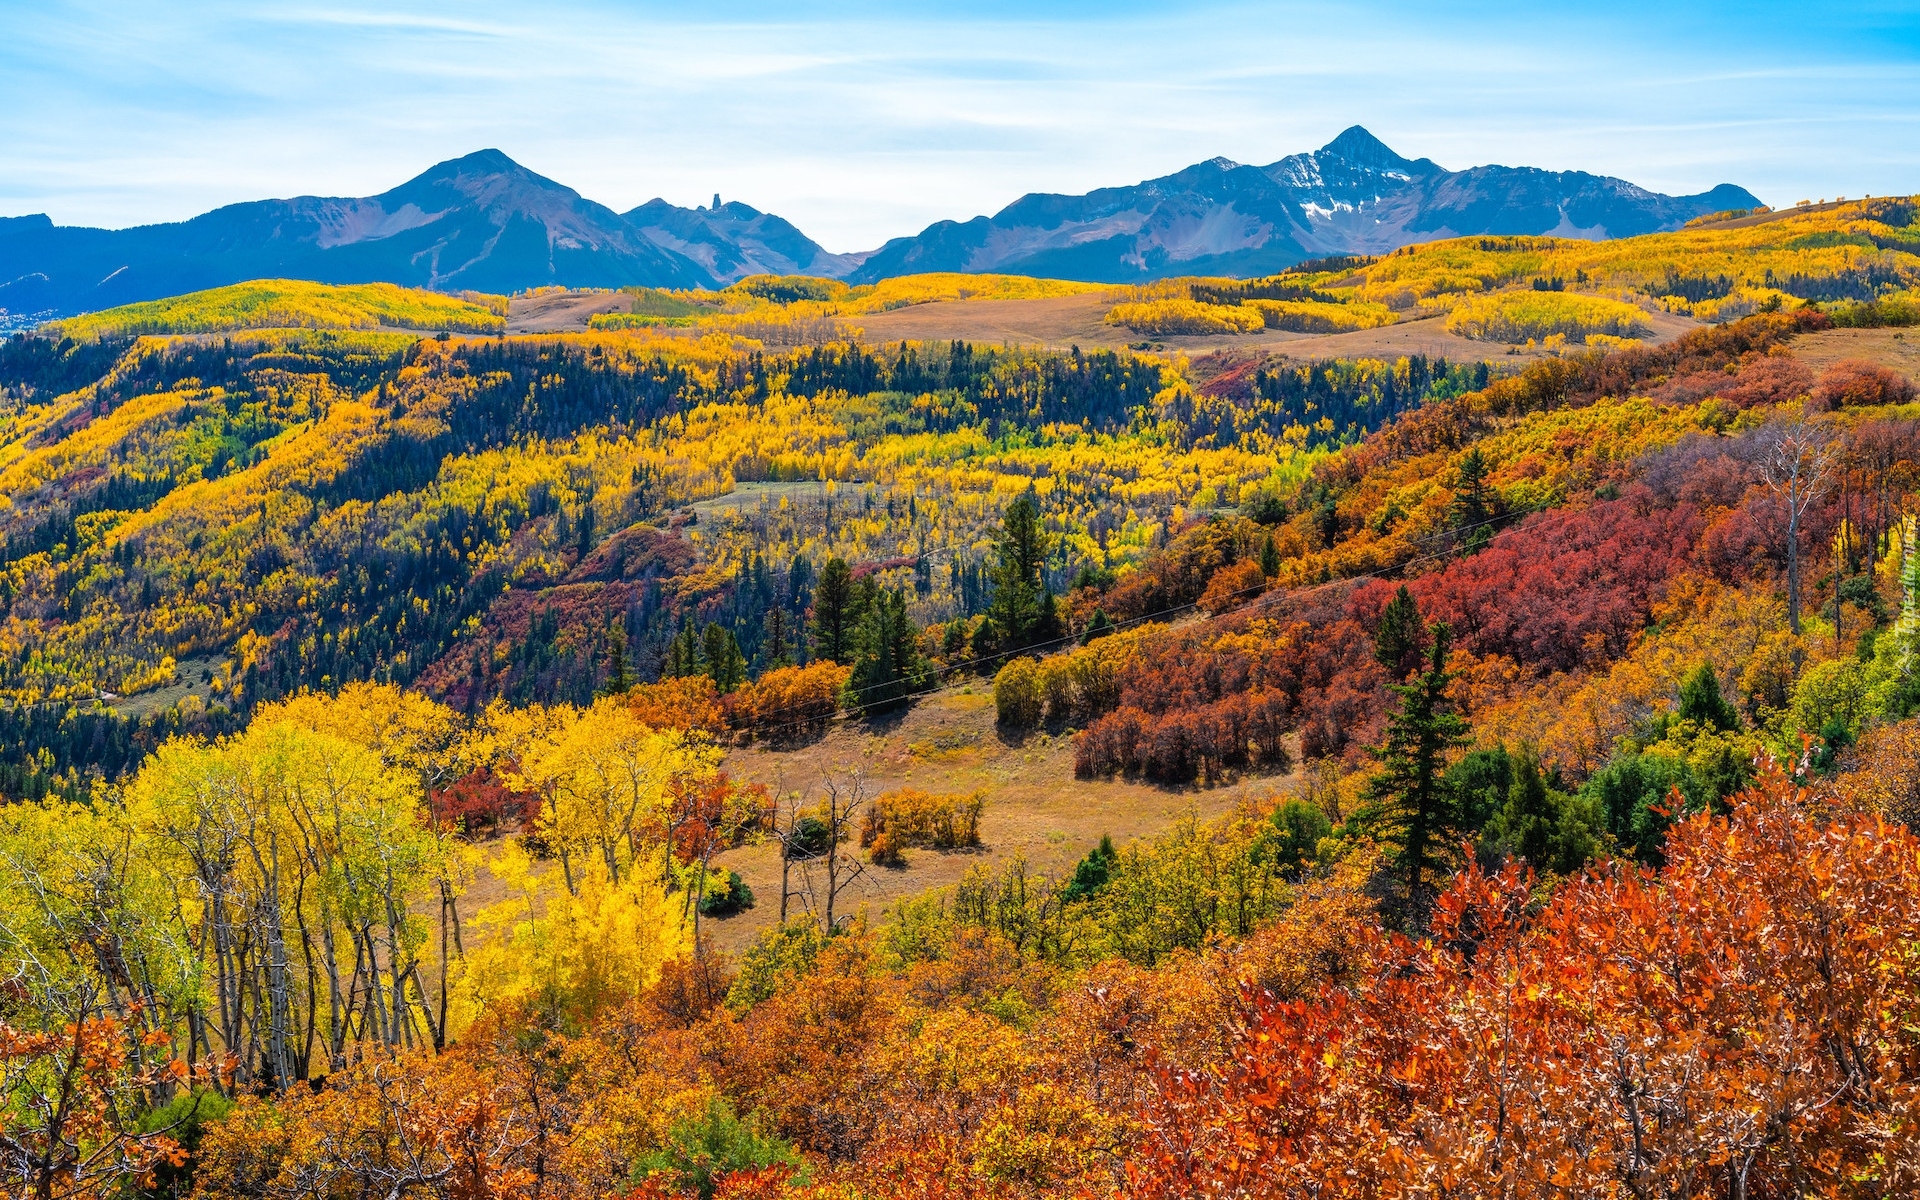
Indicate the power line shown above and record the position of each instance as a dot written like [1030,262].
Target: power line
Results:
[1261,589]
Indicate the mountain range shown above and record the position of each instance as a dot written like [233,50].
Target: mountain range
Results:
[485,223]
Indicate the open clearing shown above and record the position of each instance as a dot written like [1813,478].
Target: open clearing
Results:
[1062,321]
[562,312]
[948,742]
[1895,348]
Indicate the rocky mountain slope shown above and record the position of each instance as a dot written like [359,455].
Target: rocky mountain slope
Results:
[1352,196]
[485,223]
[482,222]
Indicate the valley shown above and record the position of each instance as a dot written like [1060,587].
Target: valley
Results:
[1172,705]
[950,742]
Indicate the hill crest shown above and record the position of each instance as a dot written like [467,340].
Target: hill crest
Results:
[484,222]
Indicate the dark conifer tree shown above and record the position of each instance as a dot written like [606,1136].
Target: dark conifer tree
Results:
[619,678]
[887,667]
[724,665]
[684,657]
[833,616]
[1401,637]
[773,645]
[1409,805]
[1098,626]
[1022,609]
[1701,701]
[1472,505]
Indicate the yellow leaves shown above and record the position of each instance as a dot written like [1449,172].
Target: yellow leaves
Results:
[290,303]
[566,951]
[1313,316]
[1437,276]
[1525,315]
[1169,318]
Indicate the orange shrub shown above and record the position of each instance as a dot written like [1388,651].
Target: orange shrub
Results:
[1233,586]
[691,704]
[789,702]
[1857,384]
[911,817]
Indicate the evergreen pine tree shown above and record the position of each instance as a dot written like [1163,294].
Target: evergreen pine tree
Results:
[684,655]
[1409,806]
[773,647]
[800,583]
[887,667]
[1401,637]
[1098,626]
[1472,508]
[833,619]
[1092,872]
[1327,521]
[1269,557]
[1549,830]
[724,665]
[1701,701]
[1525,824]
[619,679]
[1022,609]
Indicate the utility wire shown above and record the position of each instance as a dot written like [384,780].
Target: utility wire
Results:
[955,668]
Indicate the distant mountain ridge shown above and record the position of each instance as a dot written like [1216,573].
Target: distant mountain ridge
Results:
[1354,195]
[481,223]
[485,223]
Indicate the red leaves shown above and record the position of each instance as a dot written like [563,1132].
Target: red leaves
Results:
[1561,589]
[1854,383]
[1736,1024]
[479,801]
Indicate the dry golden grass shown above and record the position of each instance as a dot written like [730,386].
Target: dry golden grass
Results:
[562,311]
[1898,349]
[1078,321]
[948,743]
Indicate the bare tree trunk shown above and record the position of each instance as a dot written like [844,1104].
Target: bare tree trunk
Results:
[1793,559]
[1797,467]
[840,813]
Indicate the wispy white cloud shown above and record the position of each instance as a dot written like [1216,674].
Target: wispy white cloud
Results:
[863,121]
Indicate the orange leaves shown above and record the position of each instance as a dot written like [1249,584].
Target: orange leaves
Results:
[409,1125]
[788,703]
[1729,1025]
[67,1101]
[689,704]
[1232,587]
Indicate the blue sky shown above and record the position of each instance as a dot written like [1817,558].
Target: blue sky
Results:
[864,121]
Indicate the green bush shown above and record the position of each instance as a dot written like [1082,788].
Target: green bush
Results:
[1632,796]
[1548,829]
[1092,872]
[737,898]
[1301,825]
[185,1119]
[779,955]
[703,1149]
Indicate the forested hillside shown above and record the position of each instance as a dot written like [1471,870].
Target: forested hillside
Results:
[377,707]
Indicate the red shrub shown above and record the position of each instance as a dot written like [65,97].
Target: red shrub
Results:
[479,803]
[1728,1027]
[1563,589]
[1857,384]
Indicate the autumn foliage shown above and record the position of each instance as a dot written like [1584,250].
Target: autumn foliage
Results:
[788,703]
[1728,1026]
